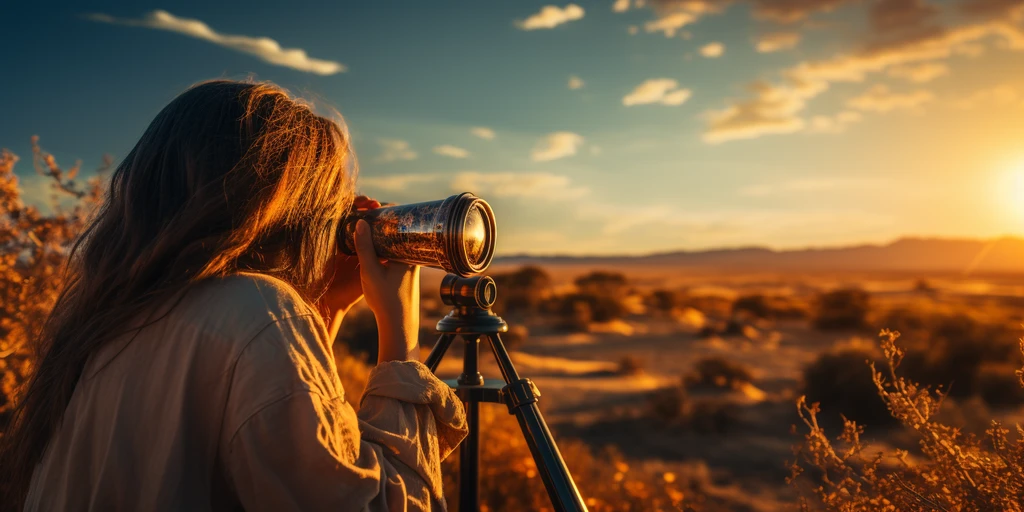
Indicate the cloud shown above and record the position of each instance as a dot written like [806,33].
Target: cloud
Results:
[576,82]
[551,16]
[776,108]
[712,50]
[777,41]
[920,73]
[527,185]
[394,150]
[451,151]
[780,11]
[657,90]
[671,23]
[264,48]
[772,111]
[398,182]
[992,8]
[834,124]
[556,145]
[880,99]
[807,185]
[889,16]
[620,6]
[483,132]
[1000,95]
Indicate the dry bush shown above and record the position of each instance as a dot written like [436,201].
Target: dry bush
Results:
[522,291]
[719,372]
[576,311]
[602,284]
[955,470]
[664,301]
[846,308]
[669,405]
[759,306]
[841,382]
[630,365]
[33,248]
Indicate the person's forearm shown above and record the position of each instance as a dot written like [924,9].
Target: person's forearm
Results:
[398,338]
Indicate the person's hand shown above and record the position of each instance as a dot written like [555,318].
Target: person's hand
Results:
[345,288]
[392,291]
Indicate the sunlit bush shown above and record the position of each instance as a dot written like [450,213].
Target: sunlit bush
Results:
[842,309]
[955,470]
[841,382]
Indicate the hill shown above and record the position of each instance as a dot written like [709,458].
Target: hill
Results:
[933,255]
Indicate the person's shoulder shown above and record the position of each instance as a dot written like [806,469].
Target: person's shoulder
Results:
[246,299]
[254,293]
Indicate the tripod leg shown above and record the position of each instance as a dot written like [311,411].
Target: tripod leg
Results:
[436,353]
[469,451]
[521,396]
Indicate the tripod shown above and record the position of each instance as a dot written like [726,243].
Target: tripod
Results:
[471,319]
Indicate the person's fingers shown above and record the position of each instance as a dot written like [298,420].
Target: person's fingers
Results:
[365,203]
[368,260]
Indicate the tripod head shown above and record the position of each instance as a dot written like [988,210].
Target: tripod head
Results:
[471,299]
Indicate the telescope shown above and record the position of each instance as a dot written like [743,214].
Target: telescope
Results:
[456,234]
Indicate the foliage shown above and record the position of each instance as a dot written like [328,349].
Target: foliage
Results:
[522,291]
[630,365]
[719,372]
[846,308]
[841,382]
[602,284]
[957,470]
[33,248]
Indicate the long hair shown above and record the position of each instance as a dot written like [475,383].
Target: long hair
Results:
[230,176]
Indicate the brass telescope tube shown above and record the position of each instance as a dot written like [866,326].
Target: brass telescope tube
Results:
[456,234]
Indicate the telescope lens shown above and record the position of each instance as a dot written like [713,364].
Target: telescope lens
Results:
[476,235]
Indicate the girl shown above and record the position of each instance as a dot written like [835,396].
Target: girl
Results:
[187,364]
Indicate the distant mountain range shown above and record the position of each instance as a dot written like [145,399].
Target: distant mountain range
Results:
[1001,255]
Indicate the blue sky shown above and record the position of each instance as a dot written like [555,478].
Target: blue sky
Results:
[689,124]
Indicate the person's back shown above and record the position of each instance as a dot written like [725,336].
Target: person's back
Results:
[187,364]
[197,409]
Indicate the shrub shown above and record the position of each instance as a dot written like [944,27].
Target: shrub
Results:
[521,291]
[630,365]
[576,311]
[33,248]
[956,471]
[753,305]
[669,404]
[719,372]
[602,284]
[841,383]
[842,309]
[663,301]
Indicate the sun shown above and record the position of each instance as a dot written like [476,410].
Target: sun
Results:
[1012,190]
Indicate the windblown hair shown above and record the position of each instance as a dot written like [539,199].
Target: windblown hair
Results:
[229,177]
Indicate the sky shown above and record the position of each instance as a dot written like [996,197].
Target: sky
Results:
[592,127]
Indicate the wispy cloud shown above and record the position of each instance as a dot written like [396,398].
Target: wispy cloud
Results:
[999,95]
[556,145]
[451,151]
[777,41]
[712,50]
[807,185]
[671,23]
[880,99]
[551,16]
[834,124]
[529,185]
[575,82]
[777,108]
[620,6]
[394,150]
[664,91]
[483,132]
[264,48]
[920,73]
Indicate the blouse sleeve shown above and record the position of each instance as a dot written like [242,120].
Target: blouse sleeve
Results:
[299,445]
